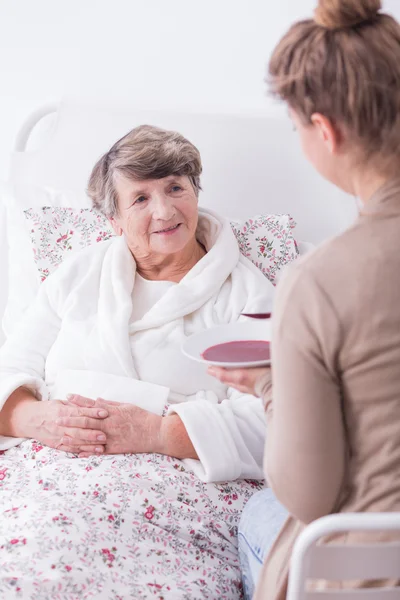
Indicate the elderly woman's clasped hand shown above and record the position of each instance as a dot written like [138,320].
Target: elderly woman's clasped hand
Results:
[126,429]
[43,421]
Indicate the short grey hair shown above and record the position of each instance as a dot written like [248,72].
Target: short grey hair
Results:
[146,152]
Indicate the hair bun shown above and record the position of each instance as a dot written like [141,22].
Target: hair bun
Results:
[337,14]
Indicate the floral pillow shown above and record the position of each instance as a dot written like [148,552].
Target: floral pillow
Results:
[267,240]
[56,231]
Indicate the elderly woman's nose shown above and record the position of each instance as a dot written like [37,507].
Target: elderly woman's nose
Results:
[163,208]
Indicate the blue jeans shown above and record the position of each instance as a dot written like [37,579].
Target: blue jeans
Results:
[260,523]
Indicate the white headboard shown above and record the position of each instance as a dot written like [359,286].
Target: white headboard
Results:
[252,163]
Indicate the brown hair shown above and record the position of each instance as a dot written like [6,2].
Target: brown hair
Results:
[345,64]
[146,152]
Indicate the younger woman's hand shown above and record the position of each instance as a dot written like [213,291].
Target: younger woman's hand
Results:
[244,380]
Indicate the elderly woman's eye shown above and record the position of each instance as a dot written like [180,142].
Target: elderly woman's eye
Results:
[176,188]
[140,199]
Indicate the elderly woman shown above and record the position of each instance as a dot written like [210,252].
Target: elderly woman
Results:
[103,343]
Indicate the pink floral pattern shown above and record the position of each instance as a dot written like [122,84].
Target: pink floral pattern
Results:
[56,231]
[124,526]
[267,240]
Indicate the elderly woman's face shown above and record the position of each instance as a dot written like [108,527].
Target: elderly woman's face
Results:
[156,215]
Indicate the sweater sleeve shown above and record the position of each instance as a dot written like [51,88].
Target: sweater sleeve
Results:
[228,436]
[23,355]
[305,450]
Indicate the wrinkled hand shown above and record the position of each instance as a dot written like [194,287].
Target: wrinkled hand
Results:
[244,380]
[128,428]
[44,423]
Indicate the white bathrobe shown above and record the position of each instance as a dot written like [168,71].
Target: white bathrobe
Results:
[77,336]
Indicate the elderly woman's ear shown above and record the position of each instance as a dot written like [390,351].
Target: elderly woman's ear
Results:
[117,229]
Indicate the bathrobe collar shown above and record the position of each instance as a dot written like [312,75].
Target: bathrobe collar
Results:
[110,339]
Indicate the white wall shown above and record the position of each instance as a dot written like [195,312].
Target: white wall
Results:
[181,53]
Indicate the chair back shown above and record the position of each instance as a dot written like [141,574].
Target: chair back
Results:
[312,560]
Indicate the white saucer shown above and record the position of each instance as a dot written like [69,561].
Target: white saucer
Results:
[197,343]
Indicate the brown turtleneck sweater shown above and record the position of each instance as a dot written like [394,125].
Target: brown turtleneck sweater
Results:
[333,436]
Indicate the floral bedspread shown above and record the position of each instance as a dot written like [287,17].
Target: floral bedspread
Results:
[122,527]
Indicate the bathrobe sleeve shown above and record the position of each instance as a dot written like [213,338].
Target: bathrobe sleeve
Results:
[228,436]
[23,355]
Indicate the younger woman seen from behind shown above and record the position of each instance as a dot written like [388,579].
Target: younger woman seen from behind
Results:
[333,401]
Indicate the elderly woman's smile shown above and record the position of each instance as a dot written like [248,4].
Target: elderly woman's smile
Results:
[169,230]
